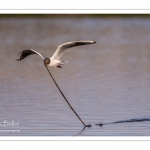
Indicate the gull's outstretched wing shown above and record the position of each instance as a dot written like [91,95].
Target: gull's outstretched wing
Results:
[27,52]
[60,50]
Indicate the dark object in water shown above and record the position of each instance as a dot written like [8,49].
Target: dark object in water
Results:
[101,124]
[89,126]
[132,120]
[125,121]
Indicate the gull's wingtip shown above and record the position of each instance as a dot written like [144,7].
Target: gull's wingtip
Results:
[92,42]
[19,57]
[24,53]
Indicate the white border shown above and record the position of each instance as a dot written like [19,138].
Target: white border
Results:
[34,7]
[76,11]
[75,138]
[75,4]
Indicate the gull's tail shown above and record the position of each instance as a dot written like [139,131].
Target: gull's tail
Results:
[63,62]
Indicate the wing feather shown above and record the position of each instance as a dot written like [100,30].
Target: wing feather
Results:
[60,50]
[27,52]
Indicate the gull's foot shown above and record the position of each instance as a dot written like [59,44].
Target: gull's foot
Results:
[59,66]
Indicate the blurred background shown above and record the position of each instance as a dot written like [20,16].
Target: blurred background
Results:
[104,82]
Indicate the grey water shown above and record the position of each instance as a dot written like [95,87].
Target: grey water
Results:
[105,83]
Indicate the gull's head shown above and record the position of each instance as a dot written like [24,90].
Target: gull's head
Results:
[46,61]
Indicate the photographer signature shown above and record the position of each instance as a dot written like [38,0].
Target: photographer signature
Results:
[9,123]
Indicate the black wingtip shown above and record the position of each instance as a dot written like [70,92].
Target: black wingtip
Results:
[19,57]
[94,42]
[25,53]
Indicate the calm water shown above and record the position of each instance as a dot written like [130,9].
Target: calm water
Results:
[106,82]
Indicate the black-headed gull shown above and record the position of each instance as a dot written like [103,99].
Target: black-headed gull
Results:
[54,61]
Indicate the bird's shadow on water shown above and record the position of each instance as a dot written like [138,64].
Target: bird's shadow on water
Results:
[115,122]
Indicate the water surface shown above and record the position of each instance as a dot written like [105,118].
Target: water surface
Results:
[105,82]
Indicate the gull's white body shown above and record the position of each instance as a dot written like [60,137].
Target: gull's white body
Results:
[56,62]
